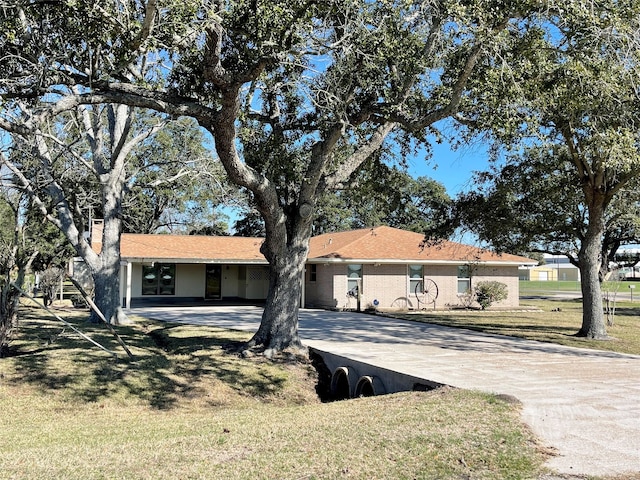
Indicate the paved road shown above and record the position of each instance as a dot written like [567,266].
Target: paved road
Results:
[583,403]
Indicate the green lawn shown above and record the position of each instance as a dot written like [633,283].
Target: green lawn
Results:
[528,287]
[188,407]
[535,288]
[554,321]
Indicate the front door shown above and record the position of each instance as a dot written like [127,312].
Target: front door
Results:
[214,282]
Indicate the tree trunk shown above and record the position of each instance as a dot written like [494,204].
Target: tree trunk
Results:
[593,321]
[9,301]
[106,277]
[10,297]
[107,295]
[113,180]
[288,230]
[279,326]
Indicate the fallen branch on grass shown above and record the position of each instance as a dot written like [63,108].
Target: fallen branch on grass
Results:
[95,308]
[71,326]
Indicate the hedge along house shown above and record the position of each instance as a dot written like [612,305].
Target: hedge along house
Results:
[383,268]
[388,268]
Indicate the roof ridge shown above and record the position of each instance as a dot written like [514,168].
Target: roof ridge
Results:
[359,238]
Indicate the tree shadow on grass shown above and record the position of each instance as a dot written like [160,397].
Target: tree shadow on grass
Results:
[172,364]
[627,311]
[215,356]
[501,328]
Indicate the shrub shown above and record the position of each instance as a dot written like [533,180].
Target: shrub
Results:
[490,292]
[49,282]
[78,301]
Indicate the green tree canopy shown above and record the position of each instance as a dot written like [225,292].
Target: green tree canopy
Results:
[526,205]
[297,94]
[567,93]
[381,195]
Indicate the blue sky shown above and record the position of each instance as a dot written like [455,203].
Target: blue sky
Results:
[452,168]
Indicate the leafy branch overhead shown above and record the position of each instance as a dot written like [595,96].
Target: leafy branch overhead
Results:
[298,95]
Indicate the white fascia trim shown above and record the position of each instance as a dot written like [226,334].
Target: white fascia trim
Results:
[383,261]
[226,261]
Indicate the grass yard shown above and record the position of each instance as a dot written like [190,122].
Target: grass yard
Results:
[533,287]
[541,288]
[554,321]
[187,408]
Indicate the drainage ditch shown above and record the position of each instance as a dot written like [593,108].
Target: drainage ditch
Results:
[340,378]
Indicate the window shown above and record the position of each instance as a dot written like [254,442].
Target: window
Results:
[159,279]
[354,279]
[313,272]
[416,274]
[464,280]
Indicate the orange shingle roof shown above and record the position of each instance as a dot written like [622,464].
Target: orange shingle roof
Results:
[191,247]
[392,244]
[380,244]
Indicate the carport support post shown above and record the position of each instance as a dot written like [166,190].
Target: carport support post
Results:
[127,301]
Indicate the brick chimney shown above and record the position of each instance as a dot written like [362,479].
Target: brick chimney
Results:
[96,234]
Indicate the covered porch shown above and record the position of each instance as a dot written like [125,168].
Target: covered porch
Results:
[158,282]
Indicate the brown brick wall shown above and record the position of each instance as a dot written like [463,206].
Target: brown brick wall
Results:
[389,285]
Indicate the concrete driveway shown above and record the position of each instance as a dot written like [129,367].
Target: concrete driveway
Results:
[583,403]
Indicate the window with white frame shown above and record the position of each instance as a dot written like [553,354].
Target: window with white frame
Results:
[464,280]
[354,279]
[416,274]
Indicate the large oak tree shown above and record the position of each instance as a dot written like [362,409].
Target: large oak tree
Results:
[92,161]
[565,103]
[68,164]
[297,94]
[526,205]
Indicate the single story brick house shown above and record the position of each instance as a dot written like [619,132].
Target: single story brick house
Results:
[382,267]
[393,269]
